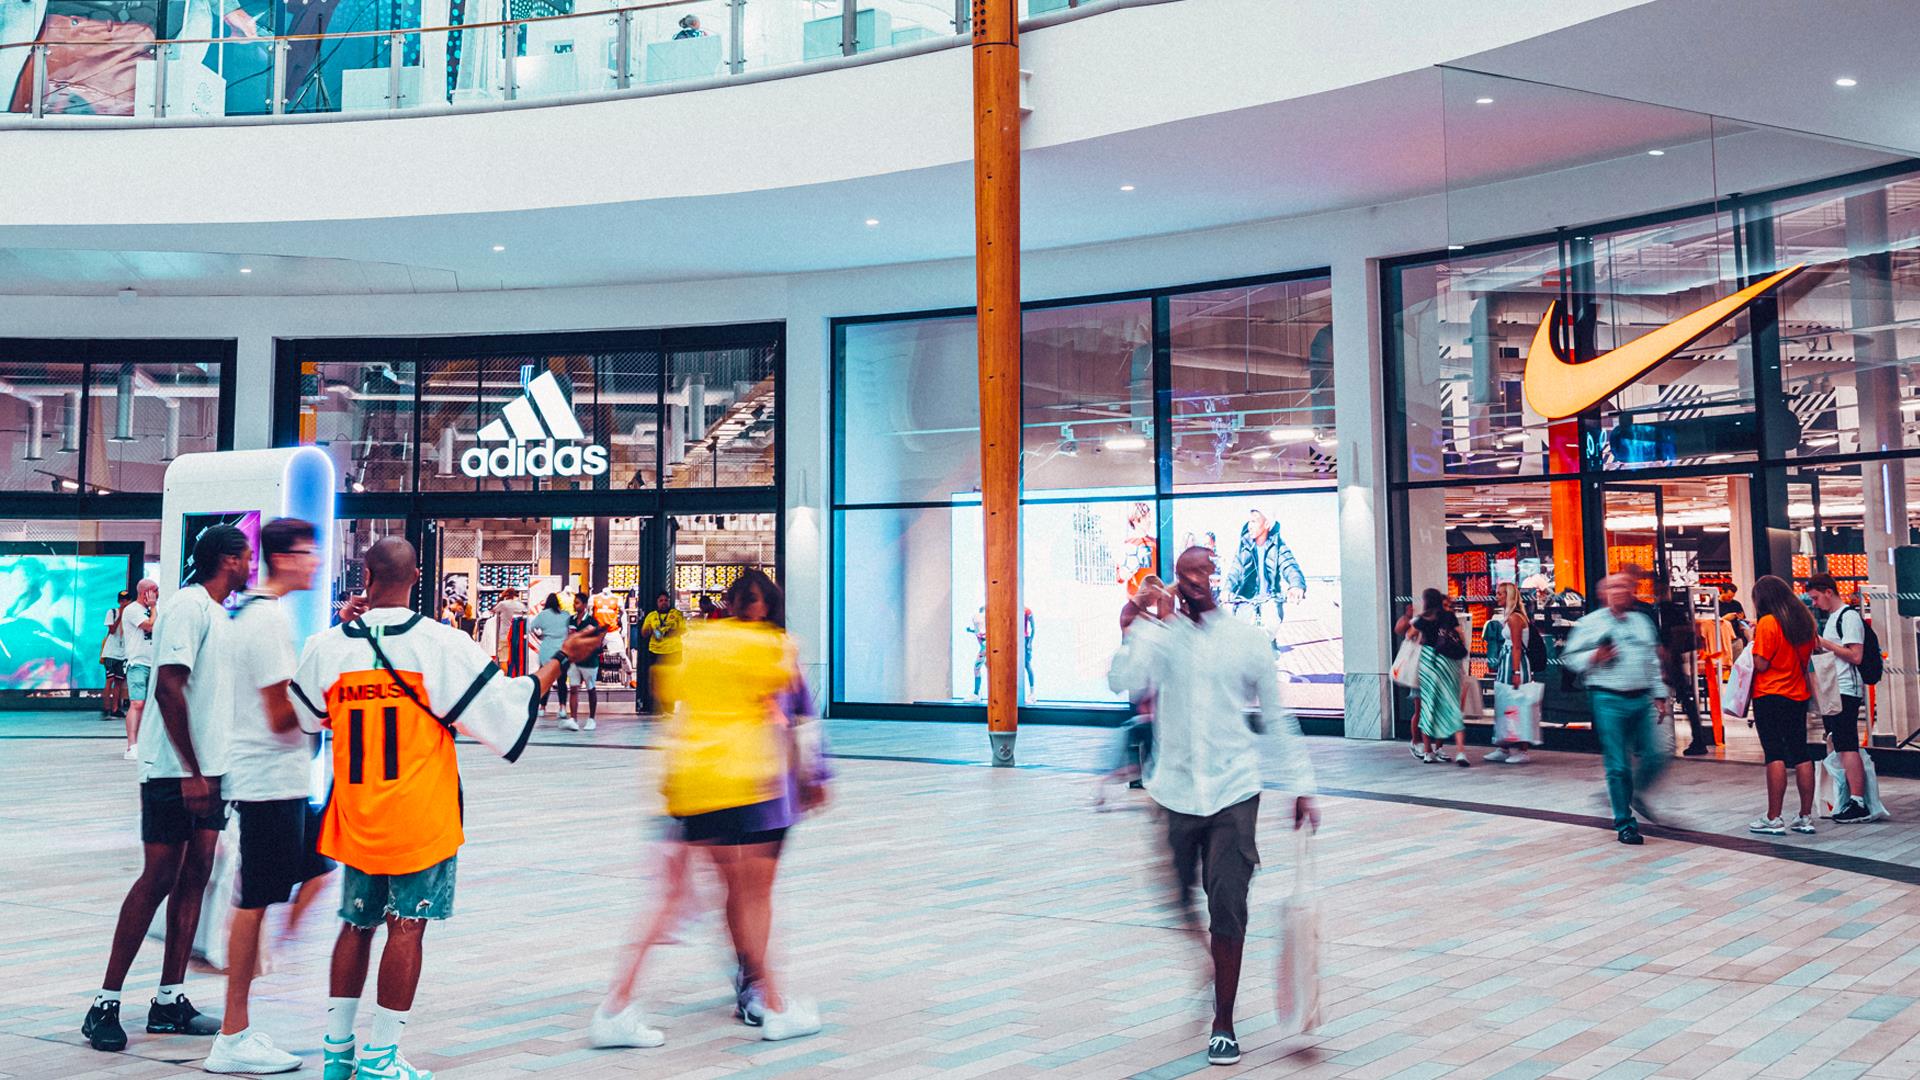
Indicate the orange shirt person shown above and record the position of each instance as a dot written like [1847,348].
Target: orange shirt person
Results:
[394,686]
[1783,644]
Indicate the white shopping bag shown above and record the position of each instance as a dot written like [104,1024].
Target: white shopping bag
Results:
[1298,976]
[1830,786]
[216,904]
[1406,664]
[1823,676]
[1473,701]
[1516,713]
[1739,689]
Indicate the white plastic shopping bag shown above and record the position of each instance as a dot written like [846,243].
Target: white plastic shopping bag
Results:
[1823,675]
[216,904]
[1406,664]
[1739,690]
[1830,786]
[1516,713]
[1298,977]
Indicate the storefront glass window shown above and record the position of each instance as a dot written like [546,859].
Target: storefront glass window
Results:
[361,414]
[42,420]
[720,419]
[911,410]
[905,613]
[1086,396]
[144,415]
[1253,385]
[625,416]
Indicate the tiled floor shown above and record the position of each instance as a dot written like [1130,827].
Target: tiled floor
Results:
[963,921]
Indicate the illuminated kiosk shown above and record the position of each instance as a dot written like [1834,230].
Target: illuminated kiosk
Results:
[247,489]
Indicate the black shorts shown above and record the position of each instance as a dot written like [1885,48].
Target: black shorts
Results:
[164,818]
[1218,853]
[1782,724]
[1844,727]
[115,669]
[735,826]
[277,852]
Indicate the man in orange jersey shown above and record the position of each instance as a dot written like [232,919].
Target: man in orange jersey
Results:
[394,687]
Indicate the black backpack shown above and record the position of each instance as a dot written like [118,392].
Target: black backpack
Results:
[1871,666]
[1536,654]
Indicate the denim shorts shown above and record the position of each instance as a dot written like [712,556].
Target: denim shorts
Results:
[367,899]
[138,676]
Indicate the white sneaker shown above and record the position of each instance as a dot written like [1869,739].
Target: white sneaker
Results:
[1428,758]
[385,1063]
[1495,755]
[248,1052]
[567,724]
[1768,826]
[130,755]
[1518,757]
[627,1029]
[590,724]
[1802,824]
[798,1020]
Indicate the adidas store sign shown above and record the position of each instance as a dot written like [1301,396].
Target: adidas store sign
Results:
[536,435]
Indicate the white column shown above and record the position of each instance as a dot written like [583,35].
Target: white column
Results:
[1360,408]
[807,517]
[253,390]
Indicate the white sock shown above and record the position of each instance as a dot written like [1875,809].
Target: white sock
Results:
[105,996]
[387,1026]
[340,1014]
[169,993]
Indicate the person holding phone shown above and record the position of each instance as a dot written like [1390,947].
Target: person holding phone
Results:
[1616,648]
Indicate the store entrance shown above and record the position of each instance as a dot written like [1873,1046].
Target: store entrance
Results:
[1696,548]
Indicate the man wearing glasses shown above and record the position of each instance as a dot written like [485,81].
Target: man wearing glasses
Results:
[269,779]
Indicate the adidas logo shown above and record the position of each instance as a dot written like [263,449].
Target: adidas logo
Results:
[538,434]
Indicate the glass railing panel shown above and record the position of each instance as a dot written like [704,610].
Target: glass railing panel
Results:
[88,71]
[903,22]
[578,54]
[1030,8]
[680,42]
[777,33]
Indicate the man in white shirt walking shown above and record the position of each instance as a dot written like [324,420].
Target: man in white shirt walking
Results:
[1843,632]
[269,780]
[1201,665]
[1617,648]
[182,761]
[136,638]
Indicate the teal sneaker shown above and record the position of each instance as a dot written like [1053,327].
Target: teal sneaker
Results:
[336,1058]
[385,1063]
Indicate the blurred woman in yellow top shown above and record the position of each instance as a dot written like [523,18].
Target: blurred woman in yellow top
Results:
[735,780]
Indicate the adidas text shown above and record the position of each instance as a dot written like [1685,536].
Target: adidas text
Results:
[534,459]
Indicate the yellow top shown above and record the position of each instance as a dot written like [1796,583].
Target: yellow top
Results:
[663,631]
[725,746]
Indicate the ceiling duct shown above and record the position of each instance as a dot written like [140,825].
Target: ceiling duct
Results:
[173,430]
[123,405]
[36,430]
[70,429]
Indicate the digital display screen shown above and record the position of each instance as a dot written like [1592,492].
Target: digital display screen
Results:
[192,525]
[53,618]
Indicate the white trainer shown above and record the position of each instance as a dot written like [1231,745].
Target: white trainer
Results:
[1802,824]
[1517,757]
[385,1063]
[567,723]
[798,1020]
[1768,827]
[627,1029]
[590,724]
[248,1052]
[130,755]
[1495,755]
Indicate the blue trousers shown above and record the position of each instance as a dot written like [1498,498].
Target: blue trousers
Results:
[1624,724]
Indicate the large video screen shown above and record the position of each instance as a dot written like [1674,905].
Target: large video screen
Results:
[192,525]
[1279,560]
[53,618]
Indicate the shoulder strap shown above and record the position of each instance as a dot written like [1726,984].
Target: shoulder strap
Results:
[359,628]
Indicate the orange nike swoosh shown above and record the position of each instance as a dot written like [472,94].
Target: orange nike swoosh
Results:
[1557,388]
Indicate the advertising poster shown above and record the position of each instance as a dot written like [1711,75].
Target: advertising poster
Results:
[1279,560]
[53,618]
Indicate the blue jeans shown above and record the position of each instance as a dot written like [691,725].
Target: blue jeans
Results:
[1624,723]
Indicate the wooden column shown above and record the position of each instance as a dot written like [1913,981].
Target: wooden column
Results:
[996,210]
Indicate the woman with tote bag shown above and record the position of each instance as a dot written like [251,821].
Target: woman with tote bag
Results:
[1434,626]
[1516,697]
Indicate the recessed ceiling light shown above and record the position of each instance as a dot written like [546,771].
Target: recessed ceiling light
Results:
[246,269]
[499,247]
[1510,463]
[1846,81]
[1656,153]
[1290,434]
[1483,101]
[872,221]
[1126,187]
[1456,247]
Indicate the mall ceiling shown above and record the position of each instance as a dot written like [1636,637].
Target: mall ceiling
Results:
[1765,68]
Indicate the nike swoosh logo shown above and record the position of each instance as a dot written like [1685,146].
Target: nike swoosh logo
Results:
[1557,388]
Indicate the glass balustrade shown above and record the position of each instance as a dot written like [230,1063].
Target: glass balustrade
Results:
[230,58]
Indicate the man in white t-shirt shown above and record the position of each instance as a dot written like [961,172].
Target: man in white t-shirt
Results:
[182,760]
[136,639]
[1843,632]
[113,660]
[269,781]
